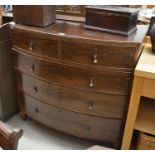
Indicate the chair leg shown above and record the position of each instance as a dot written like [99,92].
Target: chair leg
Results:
[9,138]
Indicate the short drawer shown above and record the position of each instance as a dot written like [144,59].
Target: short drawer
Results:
[35,43]
[83,126]
[101,105]
[149,88]
[106,81]
[98,55]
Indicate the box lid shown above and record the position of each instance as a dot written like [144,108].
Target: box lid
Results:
[117,9]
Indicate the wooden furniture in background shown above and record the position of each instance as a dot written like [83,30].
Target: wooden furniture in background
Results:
[9,137]
[74,80]
[72,10]
[141,119]
[8,98]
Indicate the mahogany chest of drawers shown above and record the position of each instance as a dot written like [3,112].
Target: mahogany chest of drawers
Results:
[75,80]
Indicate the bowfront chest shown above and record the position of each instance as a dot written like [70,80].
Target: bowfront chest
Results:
[75,80]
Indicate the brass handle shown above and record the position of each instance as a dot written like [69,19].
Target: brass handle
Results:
[90,105]
[35,89]
[32,68]
[95,56]
[31,46]
[91,84]
[95,61]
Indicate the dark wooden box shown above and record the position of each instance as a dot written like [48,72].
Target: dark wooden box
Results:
[35,15]
[119,20]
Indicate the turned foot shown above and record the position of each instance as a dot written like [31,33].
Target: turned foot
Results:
[23,116]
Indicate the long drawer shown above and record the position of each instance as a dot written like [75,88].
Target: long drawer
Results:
[35,43]
[98,55]
[83,126]
[101,105]
[107,81]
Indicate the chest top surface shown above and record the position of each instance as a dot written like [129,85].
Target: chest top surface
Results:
[74,30]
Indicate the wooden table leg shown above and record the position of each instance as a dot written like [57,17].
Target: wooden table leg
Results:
[132,112]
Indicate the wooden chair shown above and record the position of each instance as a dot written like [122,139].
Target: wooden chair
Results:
[9,137]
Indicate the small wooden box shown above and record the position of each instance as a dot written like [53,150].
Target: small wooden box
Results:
[35,15]
[119,20]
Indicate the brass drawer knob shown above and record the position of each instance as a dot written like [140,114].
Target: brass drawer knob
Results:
[31,46]
[90,105]
[91,84]
[95,61]
[95,57]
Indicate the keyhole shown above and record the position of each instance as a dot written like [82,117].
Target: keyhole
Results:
[33,68]
[59,110]
[88,127]
[35,88]
[36,110]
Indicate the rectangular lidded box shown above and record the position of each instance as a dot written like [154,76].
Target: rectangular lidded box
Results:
[113,19]
[34,15]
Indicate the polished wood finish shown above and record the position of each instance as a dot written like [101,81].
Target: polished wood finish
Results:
[35,15]
[144,85]
[98,55]
[74,31]
[113,19]
[108,105]
[9,137]
[84,78]
[89,87]
[8,99]
[84,126]
[44,46]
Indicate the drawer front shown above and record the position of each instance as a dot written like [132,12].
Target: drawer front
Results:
[149,88]
[35,43]
[98,55]
[83,126]
[106,81]
[101,105]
